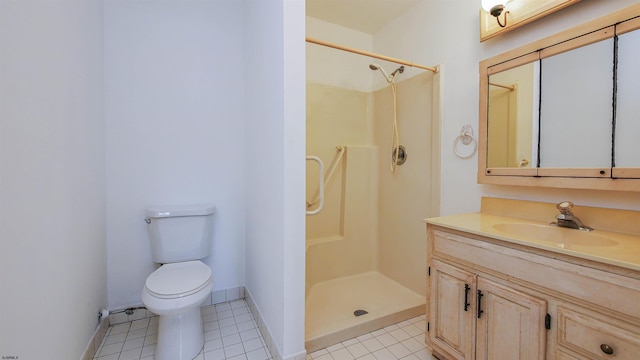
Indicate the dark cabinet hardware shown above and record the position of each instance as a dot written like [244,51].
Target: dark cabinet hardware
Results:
[547,322]
[606,349]
[466,297]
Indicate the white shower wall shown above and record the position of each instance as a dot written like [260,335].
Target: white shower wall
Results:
[388,233]
[353,204]
[336,117]
[405,196]
[334,67]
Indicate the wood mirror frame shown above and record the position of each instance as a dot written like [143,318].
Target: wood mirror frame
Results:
[621,179]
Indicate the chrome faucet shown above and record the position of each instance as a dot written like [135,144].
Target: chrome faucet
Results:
[567,219]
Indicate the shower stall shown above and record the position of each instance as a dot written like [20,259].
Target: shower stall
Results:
[366,248]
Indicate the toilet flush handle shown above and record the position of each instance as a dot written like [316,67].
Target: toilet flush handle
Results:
[147,220]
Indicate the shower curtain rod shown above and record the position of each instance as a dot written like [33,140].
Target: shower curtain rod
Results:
[370,54]
[508,87]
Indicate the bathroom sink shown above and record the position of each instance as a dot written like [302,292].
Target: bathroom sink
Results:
[561,237]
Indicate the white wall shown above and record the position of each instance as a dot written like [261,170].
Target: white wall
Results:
[446,32]
[294,176]
[53,267]
[143,103]
[274,144]
[174,100]
[334,67]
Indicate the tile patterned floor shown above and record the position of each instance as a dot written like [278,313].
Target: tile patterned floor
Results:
[232,334]
[404,341]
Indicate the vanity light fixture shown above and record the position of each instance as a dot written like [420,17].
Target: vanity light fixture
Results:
[496,8]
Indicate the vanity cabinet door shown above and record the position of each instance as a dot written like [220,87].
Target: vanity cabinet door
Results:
[452,322]
[510,323]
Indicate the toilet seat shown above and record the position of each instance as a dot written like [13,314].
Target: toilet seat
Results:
[177,280]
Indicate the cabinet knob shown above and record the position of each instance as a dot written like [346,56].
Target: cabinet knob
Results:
[606,349]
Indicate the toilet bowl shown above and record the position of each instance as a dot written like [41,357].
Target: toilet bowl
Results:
[175,292]
[180,235]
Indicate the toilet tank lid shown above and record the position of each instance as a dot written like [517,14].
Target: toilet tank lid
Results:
[180,210]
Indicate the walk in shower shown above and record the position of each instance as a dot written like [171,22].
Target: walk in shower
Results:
[366,249]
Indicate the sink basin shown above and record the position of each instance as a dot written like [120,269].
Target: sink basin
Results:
[561,237]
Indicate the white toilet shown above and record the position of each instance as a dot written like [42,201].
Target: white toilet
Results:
[180,236]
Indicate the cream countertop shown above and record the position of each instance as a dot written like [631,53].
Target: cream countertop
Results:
[626,253]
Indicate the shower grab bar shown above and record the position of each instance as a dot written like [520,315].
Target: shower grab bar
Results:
[320,186]
[328,175]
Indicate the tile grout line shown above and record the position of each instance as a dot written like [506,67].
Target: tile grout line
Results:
[404,340]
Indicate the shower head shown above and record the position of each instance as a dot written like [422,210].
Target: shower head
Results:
[384,73]
[387,77]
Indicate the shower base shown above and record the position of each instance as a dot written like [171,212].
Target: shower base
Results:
[331,304]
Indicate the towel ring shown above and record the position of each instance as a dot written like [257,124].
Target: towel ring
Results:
[466,138]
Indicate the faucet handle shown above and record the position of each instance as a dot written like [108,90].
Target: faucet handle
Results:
[565,207]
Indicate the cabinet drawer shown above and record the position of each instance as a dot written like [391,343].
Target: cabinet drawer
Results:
[592,335]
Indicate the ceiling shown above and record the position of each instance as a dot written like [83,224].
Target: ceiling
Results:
[367,16]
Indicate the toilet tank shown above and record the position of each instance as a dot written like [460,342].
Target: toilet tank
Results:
[180,233]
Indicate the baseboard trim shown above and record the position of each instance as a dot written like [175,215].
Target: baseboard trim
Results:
[299,356]
[96,339]
[266,333]
[216,297]
[262,326]
[138,311]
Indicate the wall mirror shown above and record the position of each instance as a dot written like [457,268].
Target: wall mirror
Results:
[512,129]
[564,111]
[626,146]
[576,90]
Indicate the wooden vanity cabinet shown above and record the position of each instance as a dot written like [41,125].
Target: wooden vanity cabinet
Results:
[476,318]
[452,324]
[493,300]
[511,325]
